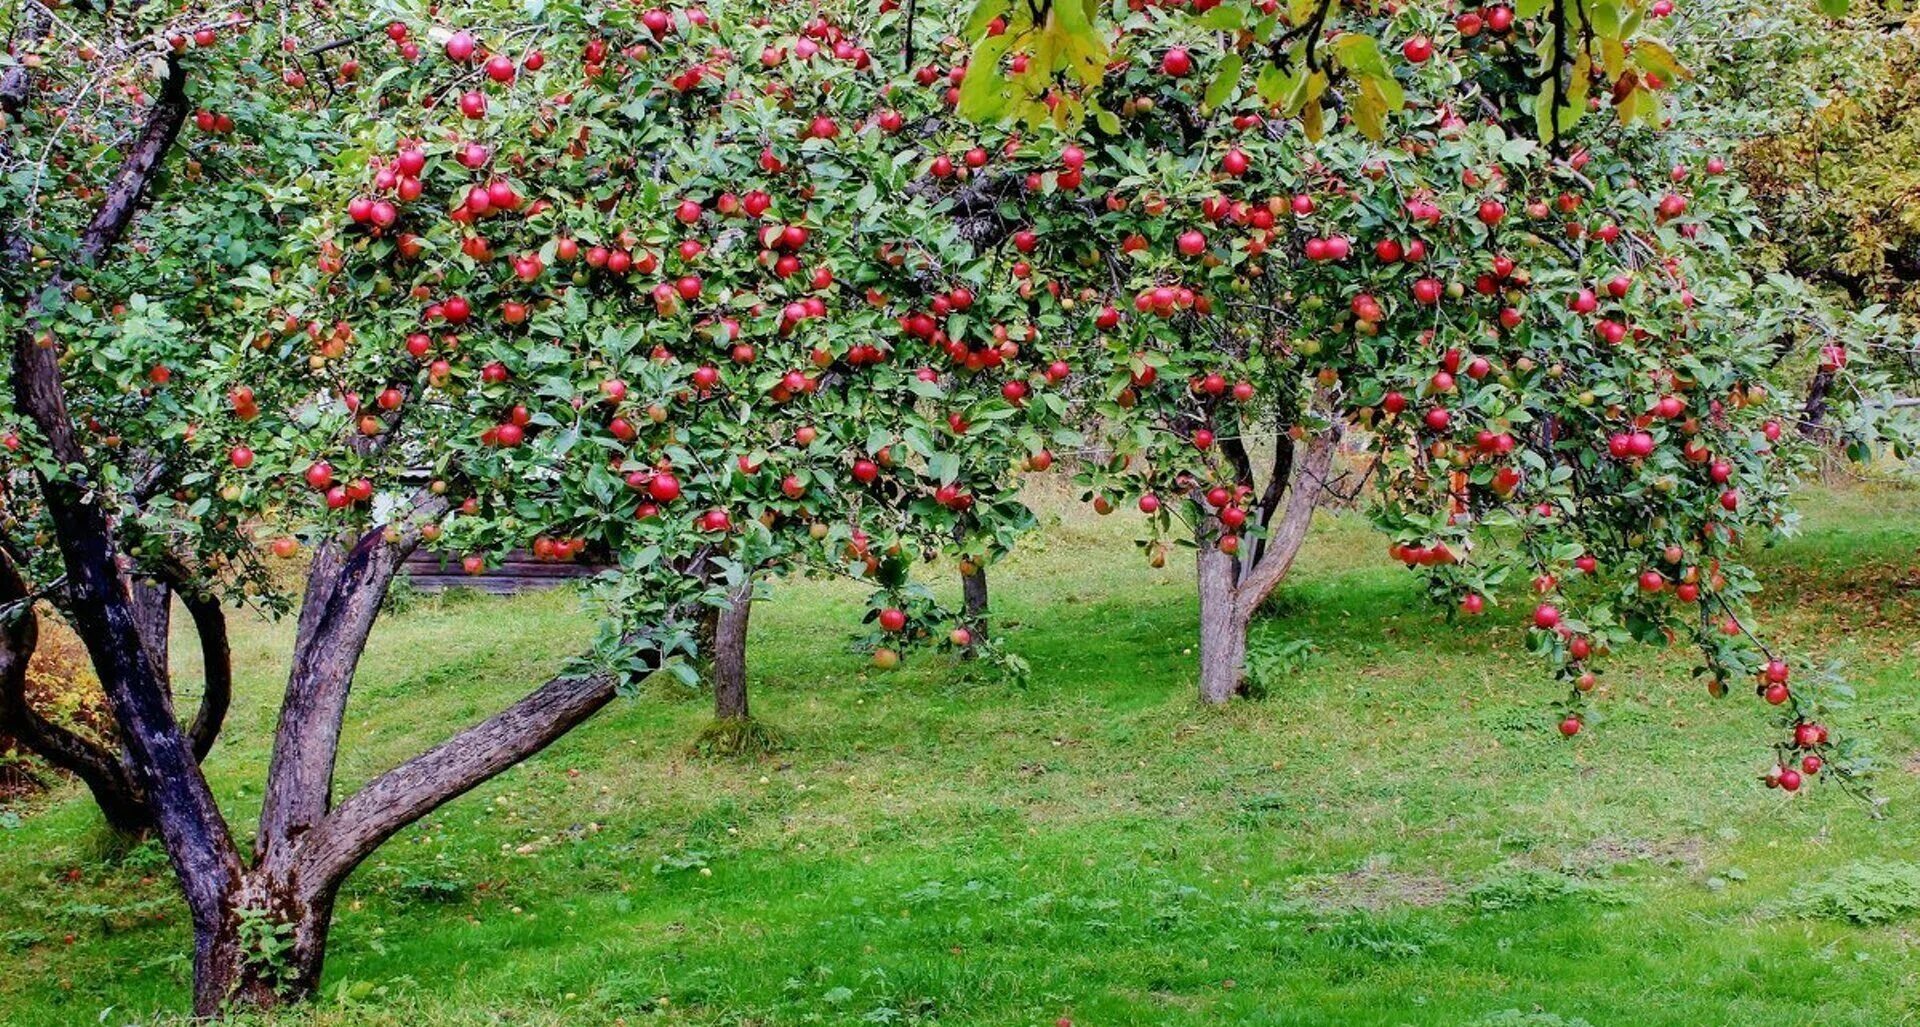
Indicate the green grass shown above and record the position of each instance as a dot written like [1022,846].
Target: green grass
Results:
[1396,836]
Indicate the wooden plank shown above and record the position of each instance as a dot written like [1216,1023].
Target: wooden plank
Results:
[518,572]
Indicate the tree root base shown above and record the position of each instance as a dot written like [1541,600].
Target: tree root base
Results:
[737,737]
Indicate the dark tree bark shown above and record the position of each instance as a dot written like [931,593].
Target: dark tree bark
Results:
[153,609]
[974,602]
[1813,412]
[96,766]
[216,662]
[728,666]
[98,592]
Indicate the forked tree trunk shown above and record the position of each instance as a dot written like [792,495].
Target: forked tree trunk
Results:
[728,665]
[1231,588]
[236,973]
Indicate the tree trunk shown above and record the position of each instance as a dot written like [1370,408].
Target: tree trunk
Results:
[1224,619]
[1230,588]
[973,591]
[268,951]
[153,609]
[729,661]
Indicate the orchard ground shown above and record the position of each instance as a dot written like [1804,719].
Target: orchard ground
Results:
[1396,835]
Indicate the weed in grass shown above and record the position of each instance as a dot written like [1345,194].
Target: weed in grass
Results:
[1517,1018]
[1870,891]
[1517,886]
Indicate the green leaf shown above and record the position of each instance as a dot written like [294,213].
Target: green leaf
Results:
[944,466]
[1224,18]
[1226,82]
[985,91]
[1274,84]
[1833,8]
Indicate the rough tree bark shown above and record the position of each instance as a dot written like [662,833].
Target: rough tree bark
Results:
[1813,411]
[345,587]
[116,789]
[1224,620]
[728,665]
[99,593]
[1231,588]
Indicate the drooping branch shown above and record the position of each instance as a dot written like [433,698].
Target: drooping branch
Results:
[216,661]
[94,764]
[401,796]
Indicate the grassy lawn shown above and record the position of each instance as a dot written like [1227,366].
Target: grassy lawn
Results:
[1396,836]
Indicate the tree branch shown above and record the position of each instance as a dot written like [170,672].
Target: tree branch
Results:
[216,661]
[345,587]
[163,766]
[1286,535]
[94,764]
[1277,481]
[423,784]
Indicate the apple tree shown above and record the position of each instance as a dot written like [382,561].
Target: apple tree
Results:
[630,280]
[1527,321]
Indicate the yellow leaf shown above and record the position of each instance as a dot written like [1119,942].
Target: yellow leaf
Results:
[1302,10]
[1369,116]
[1313,120]
[1653,55]
[1082,51]
[1068,115]
[1613,57]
